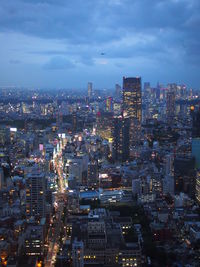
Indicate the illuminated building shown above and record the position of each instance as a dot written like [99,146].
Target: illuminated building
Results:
[92,173]
[197,193]
[195,122]
[4,135]
[103,120]
[90,90]
[1,178]
[59,119]
[109,104]
[117,109]
[184,174]
[120,134]
[96,234]
[170,107]
[196,147]
[35,194]
[74,121]
[76,166]
[196,151]
[34,240]
[132,106]
[77,253]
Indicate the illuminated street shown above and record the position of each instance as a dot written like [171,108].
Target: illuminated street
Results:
[60,197]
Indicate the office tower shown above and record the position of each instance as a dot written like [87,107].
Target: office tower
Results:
[1,178]
[77,253]
[90,90]
[92,173]
[109,107]
[183,91]
[196,148]
[169,165]
[35,194]
[59,119]
[120,135]
[158,91]
[170,107]
[77,166]
[74,121]
[4,135]
[132,107]
[196,136]
[185,175]
[168,181]
[195,122]
[197,191]
[96,234]
[168,185]
[103,121]
[34,238]
[196,151]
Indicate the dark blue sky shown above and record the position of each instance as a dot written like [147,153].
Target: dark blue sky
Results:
[58,43]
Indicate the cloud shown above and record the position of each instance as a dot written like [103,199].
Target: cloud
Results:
[58,63]
[72,34]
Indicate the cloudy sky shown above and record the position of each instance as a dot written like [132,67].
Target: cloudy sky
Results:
[66,43]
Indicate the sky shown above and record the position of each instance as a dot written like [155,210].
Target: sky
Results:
[67,43]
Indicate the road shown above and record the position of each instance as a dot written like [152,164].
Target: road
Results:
[57,225]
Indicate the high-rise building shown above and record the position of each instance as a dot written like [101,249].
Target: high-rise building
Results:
[109,104]
[90,90]
[132,106]
[77,253]
[169,168]
[35,194]
[184,175]
[195,122]
[196,151]
[121,142]
[197,189]
[1,178]
[4,135]
[170,106]
[196,148]
[103,121]
[132,98]
[74,121]
[92,173]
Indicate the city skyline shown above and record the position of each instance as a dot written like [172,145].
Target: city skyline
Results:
[100,179]
[48,45]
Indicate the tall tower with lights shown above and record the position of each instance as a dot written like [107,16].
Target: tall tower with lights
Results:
[90,90]
[132,107]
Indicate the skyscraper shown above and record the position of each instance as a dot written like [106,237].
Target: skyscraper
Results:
[92,172]
[195,122]
[120,134]
[109,104]
[196,148]
[90,90]
[132,106]
[197,191]
[35,194]
[170,106]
